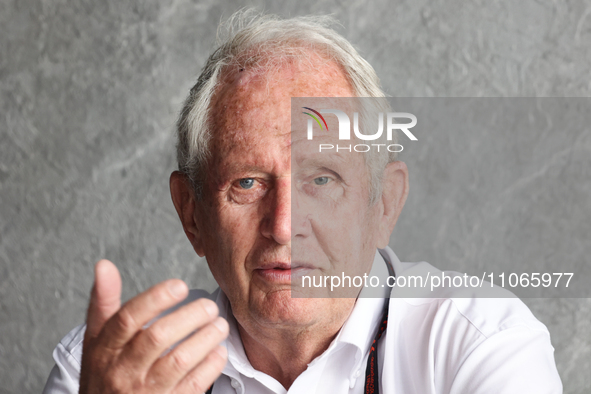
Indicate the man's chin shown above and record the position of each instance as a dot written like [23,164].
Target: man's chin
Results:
[280,308]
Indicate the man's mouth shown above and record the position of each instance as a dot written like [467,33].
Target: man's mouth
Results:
[282,272]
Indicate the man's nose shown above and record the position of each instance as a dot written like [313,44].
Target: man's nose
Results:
[277,222]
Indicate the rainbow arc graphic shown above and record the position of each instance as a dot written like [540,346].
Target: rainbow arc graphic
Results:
[315,118]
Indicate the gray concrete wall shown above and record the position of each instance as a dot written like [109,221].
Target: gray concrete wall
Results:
[89,91]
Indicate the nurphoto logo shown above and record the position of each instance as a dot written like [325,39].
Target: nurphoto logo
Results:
[345,129]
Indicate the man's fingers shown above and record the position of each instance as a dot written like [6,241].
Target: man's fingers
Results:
[138,311]
[146,347]
[203,375]
[105,297]
[173,367]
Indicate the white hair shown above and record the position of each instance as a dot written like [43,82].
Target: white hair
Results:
[250,39]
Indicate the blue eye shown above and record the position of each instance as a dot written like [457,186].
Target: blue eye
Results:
[246,183]
[321,180]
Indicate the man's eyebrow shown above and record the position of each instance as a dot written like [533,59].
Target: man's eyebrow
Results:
[321,160]
[234,169]
[241,167]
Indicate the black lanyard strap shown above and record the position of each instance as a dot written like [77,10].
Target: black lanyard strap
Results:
[372,379]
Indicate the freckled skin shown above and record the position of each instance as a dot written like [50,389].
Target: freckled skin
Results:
[242,229]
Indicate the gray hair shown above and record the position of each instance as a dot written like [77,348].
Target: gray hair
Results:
[251,37]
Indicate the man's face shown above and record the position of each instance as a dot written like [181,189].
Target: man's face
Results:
[259,222]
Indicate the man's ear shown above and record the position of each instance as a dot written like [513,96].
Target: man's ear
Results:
[183,198]
[394,193]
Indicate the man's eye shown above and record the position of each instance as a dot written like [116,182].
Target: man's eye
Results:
[246,183]
[321,180]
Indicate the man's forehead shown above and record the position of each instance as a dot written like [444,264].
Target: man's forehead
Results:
[253,107]
[307,76]
[266,135]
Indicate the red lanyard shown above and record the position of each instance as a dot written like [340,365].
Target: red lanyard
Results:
[372,380]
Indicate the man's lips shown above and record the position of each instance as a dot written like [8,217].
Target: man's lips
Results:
[275,265]
[282,272]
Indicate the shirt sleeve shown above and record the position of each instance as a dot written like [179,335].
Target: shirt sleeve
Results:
[64,378]
[515,360]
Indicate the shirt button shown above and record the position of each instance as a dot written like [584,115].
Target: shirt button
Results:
[358,373]
[235,383]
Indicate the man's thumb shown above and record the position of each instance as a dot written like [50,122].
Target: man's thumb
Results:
[105,298]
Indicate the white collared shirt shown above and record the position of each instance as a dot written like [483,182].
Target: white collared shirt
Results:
[432,345]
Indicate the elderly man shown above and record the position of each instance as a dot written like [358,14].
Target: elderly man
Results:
[264,208]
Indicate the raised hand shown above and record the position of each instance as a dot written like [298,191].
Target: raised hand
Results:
[120,356]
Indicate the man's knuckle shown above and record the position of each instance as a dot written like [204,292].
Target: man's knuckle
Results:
[181,360]
[157,336]
[160,295]
[125,320]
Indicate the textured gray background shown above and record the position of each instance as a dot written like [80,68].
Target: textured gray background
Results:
[89,95]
